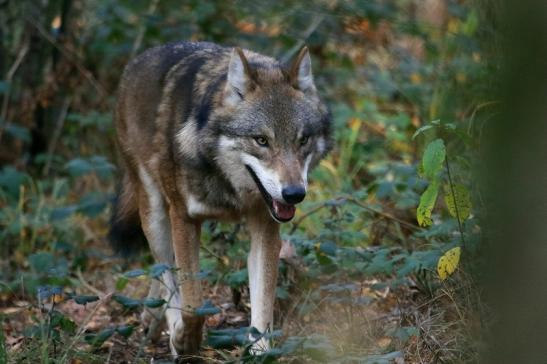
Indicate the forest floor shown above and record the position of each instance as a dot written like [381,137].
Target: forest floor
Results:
[385,326]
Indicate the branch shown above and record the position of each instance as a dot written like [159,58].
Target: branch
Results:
[9,77]
[352,200]
[311,212]
[383,214]
[140,35]
[73,58]
[307,33]
[56,134]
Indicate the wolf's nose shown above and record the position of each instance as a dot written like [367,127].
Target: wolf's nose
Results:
[293,194]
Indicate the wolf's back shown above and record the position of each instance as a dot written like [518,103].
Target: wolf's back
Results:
[139,96]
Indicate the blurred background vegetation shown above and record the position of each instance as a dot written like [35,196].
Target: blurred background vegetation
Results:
[410,84]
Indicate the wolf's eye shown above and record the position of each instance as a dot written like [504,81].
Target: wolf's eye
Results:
[304,140]
[262,141]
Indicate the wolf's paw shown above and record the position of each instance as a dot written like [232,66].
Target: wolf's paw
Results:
[186,336]
[153,323]
[260,347]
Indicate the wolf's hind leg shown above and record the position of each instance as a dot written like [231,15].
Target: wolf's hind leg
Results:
[157,228]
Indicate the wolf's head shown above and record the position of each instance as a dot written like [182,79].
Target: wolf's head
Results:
[275,129]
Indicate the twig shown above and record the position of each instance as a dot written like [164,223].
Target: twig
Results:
[351,199]
[9,77]
[157,321]
[309,213]
[213,254]
[384,214]
[307,33]
[109,354]
[81,330]
[56,134]
[87,285]
[71,57]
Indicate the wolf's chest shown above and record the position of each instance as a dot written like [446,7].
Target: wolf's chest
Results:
[197,209]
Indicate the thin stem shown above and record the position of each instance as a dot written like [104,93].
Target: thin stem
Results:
[451,184]
[9,76]
[56,134]
[355,202]
[142,29]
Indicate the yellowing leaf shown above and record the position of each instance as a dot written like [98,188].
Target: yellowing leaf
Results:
[427,202]
[57,298]
[457,197]
[355,124]
[448,262]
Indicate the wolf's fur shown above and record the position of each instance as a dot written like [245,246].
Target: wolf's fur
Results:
[207,132]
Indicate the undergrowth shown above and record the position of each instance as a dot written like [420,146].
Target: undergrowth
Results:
[369,271]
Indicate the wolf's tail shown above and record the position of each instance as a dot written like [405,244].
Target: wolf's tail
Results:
[126,235]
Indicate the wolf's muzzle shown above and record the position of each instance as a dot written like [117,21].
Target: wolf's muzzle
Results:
[280,211]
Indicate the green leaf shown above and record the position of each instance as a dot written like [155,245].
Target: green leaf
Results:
[322,258]
[11,180]
[41,262]
[103,335]
[135,273]
[121,283]
[329,248]
[102,166]
[457,201]
[100,338]
[281,293]
[427,202]
[380,263]
[61,213]
[432,161]
[92,204]
[126,301]
[83,300]
[154,302]
[237,279]
[125,330]
[424,128]
[158,269]
[79,167]
[228,338]
[66,324]
[18,132]
[207,309]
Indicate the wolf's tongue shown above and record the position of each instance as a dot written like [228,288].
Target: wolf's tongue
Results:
[283,211]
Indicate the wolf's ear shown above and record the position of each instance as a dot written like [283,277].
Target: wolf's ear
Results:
[300,72]
[239,74]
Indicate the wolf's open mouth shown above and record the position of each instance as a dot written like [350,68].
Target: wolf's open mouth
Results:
[280,211]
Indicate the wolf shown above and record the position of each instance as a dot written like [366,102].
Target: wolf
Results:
[211,132]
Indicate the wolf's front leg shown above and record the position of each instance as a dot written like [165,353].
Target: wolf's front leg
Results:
[262,266]
[186,336]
